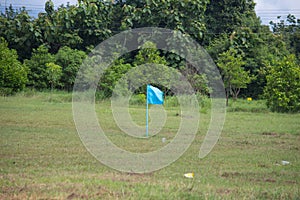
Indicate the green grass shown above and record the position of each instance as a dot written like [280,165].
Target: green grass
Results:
[242,105]
[42,156]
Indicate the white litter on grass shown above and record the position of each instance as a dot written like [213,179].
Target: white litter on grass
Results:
[189,175]
[284,162]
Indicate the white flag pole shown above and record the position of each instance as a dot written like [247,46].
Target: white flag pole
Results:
[147,134]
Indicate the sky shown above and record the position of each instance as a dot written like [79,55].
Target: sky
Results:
[34,6]
[267,10]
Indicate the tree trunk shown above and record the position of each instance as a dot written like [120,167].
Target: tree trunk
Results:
[227,97]
[235,92]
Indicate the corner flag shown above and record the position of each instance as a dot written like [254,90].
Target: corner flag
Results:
[154,96]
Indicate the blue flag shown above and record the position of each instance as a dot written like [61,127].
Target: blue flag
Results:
[154,95]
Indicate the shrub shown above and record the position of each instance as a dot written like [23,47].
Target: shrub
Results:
[70,60]
[38,75]
[282,91]
[13,74]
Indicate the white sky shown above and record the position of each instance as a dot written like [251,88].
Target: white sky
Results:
[266,9]
[35,4]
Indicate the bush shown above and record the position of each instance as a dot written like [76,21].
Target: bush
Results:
[38,75]
[111,76]
[138,99]
[282,91]
[70,60]
[13,74]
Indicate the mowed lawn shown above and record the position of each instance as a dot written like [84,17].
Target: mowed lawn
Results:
[42,157]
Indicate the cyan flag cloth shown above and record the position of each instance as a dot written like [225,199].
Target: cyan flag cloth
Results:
[154,95]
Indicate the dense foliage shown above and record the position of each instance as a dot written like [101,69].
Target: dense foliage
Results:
[283,85]
[70,60]
[38,75]
[13,74]
[64,36]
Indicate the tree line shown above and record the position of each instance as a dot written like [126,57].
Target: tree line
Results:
[254,60]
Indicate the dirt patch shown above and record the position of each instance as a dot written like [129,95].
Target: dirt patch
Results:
[265,180]
[273,134]
[8,190]
[247,176]
[104,192]
[230,174]
[101,193]
[77,196]
[291,182]
[72,196]
[223,191]
[243,142]
[126,177]
[263,165]
[269,180]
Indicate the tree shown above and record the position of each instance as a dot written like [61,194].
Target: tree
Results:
[111,76]
[149,54]
[234,24]
[57,27]
[283,85]
[224,16]
[198,81]
[289,31]
[233,73]
[185,16]
[37,76]
[20,32]
[92,20]
[70,60]
[54,73]
[258,46]
[13,74]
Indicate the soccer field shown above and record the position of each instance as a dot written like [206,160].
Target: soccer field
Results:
[42,156]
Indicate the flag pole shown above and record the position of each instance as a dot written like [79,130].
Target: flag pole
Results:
[147,134]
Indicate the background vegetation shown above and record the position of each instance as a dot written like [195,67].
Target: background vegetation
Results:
[64,36]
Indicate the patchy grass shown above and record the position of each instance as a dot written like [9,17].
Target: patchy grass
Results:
[42,156]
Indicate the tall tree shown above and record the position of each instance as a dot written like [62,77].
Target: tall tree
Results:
[56,27]
[224,16]
[257,44]
[92,19]
[289,30]
[19,31]
[186,16]
[233,73]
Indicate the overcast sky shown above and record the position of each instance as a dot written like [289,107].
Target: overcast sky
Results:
[269,9]
[266,9]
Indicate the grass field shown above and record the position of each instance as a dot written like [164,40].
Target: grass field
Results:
[42,156]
